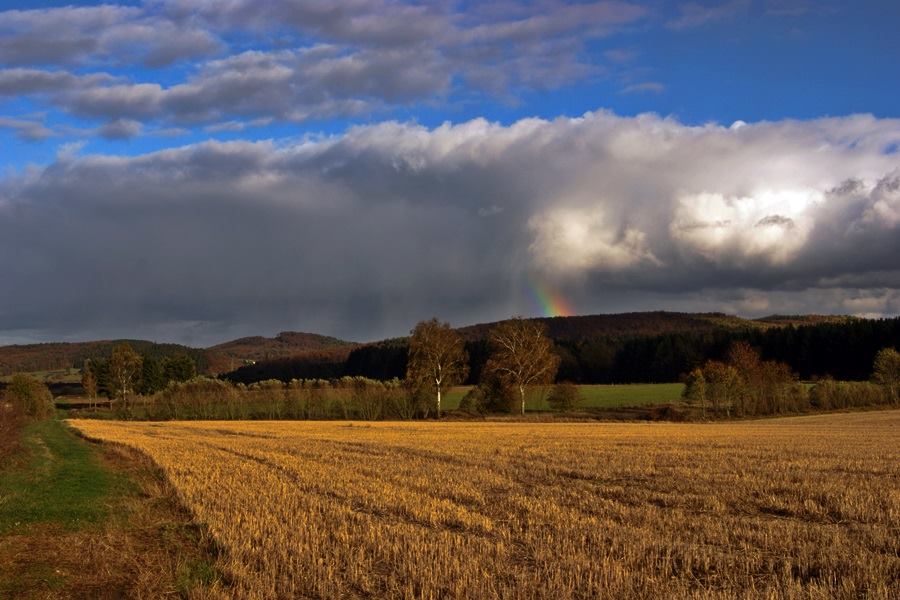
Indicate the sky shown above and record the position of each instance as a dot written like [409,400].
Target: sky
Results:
[199,170]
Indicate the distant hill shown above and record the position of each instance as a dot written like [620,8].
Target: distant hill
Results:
[66,355]
[625,325]
[328,363]
[636,324]
[797,320]
[231,355]
[217,359]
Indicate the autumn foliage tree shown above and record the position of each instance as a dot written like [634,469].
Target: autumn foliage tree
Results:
[124,370]
[695,389]
[745,385]
[522,355]
[723,384]
[89,382]
[437,358]
[886,371]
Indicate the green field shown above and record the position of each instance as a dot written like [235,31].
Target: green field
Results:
[54,376]
[594,396]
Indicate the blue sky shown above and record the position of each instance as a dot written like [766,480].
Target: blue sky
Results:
[194,158]
[699,62]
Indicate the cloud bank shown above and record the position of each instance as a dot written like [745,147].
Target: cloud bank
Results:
[362,234]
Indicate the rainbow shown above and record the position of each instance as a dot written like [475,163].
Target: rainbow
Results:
[549,301]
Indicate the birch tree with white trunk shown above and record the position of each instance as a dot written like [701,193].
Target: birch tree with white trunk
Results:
[522,355]
[124,369]
[437,358]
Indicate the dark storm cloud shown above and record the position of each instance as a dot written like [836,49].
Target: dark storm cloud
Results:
[363,234]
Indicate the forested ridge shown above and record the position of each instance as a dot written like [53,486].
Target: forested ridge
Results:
[660,348]
[211,361]
[625,348]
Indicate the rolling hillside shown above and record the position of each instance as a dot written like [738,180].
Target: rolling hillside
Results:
[653,323]
[216,359]
[624,325]
[287,344]
[65,355]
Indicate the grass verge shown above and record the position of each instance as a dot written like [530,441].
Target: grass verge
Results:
[81,520]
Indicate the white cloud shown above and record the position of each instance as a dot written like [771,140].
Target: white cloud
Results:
[653,87]
[695,14]
[580,241]
[885,203]
[773,224]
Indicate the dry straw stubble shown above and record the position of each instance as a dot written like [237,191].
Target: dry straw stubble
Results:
[804,507]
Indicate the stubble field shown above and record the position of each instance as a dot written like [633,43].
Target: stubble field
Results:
[804,507]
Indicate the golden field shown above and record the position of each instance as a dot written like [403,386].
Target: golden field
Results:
[803,507]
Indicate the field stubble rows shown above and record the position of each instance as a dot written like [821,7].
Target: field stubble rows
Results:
[805,507]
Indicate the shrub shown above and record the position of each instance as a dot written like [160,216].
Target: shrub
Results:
[407,400]
[564,396]
[498,396]
[199,398]
[30,396]
[474,401]
[829,394]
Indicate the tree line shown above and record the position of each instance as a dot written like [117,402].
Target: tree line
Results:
[746,385]
[522,356]
[841,350]
[518,356]
[125,373]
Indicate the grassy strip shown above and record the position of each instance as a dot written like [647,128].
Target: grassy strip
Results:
[11,424]
[595,396]
[51,376]
[81,520]
[63,482]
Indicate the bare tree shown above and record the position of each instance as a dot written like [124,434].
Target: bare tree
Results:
[522,355]
[437,358]
[124,368]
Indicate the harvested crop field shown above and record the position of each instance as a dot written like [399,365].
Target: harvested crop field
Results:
[804,507]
